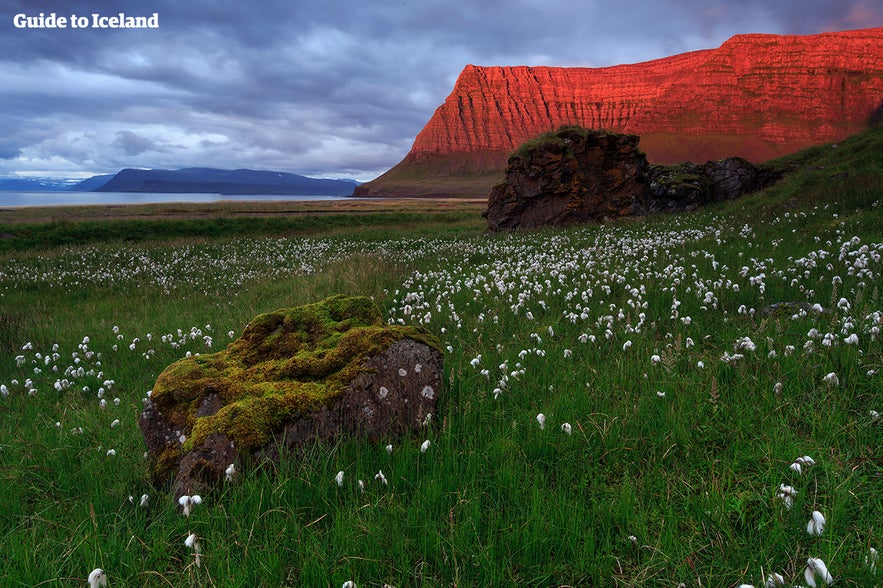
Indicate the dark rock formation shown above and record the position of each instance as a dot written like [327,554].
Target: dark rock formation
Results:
[571,176]
[323,371]
[756,96]
[576,175]
[689,185]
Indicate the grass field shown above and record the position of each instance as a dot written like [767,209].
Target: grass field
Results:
[623,406]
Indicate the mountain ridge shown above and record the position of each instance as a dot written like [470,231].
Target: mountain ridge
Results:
[756,96]
[194,180]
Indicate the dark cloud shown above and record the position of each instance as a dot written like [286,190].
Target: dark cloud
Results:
[323,87]
[134,144]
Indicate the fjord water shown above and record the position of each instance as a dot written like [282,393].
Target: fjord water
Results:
[80,198]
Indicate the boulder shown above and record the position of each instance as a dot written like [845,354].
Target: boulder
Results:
[576,175]
[689,185]
[319,372]
[570,176]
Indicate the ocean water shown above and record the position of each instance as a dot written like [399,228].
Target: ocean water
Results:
[80,198]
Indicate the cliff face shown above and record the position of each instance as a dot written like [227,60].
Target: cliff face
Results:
[756,96]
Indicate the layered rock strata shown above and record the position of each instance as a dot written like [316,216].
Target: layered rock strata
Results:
[756,97]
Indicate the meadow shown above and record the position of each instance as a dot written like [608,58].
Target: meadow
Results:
[676,400]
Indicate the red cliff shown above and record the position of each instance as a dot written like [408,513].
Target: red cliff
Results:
[756,96]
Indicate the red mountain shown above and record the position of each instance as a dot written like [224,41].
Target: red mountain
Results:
[756,96]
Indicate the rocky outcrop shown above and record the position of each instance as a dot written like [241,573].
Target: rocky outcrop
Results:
[756,97]
[577,175]
[323,371]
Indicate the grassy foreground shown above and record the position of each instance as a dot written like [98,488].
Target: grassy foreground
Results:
[623,403]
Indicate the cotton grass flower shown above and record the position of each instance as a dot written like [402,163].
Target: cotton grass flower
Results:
[188,502]
[871,560]
[97,578]
[339,478]
[774,580]
[831,379]
[802,463]
[817,568]
[425,446]
[816,524]
[567,428]
[192,542]
[379,476]
[349,584]
[145,500]
[230,473]
[786,494]
[541,419]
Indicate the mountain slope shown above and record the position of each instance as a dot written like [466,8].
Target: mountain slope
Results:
[756,96]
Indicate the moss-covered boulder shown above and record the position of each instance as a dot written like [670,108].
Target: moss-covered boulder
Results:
[321,371]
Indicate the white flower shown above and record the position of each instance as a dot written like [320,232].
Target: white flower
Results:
[97,578]
[349,584]
[568,354]
[379,476]
[541,419]
[111,452]
[851,340]
[774,580]
[831,379]
[389,449]
[816,567]
[114,423]
[700,364]
[145,499]
[786,494]
[654,359]
[802,462]
[339,478]
[192,541]
[188,502]
[567,428]
[230,472]
[626,345]
[660,393]
[816,524]
[871,560]
[875,416]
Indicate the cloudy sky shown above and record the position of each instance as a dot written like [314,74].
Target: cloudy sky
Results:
[326,88]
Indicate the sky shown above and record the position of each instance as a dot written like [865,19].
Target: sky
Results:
[325,88]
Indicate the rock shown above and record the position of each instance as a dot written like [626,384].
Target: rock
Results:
[319,372]
[689,185]
[755,96]
[576,175]
[572,175]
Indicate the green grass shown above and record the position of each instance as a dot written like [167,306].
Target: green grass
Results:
[649,489]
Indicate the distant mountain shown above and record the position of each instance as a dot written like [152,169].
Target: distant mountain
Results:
[220,181]
[35,184]
[90,184]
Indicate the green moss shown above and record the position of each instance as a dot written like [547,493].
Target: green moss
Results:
[285,363]
[558,140]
